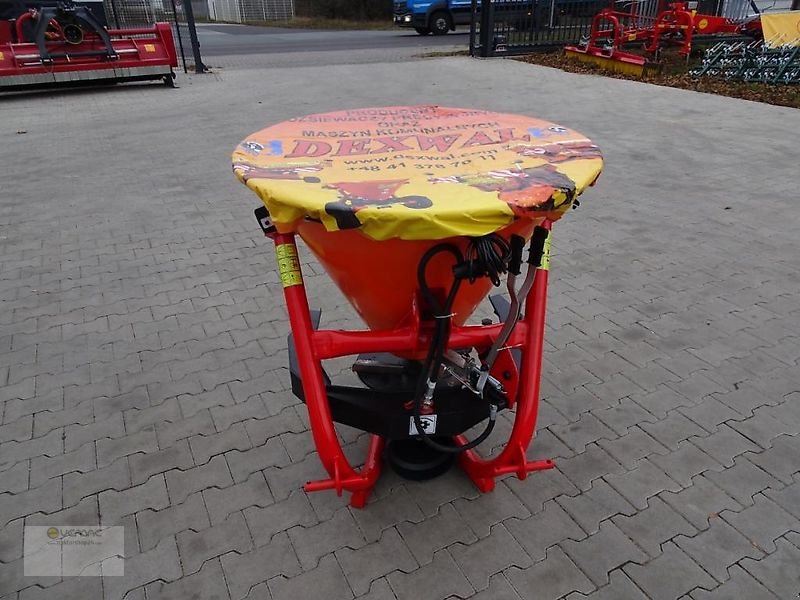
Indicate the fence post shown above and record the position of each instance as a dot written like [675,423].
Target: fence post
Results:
[199,67]
[487,28]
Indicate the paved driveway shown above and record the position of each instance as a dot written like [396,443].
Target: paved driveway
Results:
[142,356]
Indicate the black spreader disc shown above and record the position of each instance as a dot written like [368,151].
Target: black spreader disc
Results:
[414,459]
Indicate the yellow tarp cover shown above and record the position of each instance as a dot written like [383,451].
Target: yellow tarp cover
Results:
[416,172]
[781,28]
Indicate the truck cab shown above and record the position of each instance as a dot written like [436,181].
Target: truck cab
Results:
[432,16]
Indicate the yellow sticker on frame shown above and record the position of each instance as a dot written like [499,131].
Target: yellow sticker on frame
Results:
[545,264]
[288,265]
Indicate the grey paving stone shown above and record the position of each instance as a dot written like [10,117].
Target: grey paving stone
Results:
[661,401]
[84,513]
[395,508]
[326,580]
[489,556]
[79,485]
[435,533]
[11,541]
[46,498]
[582,469]
[170,432]
[251,408]
[76,436]
[47,420]
[143,466]
[205,446]
[725,445]
[12,452]
[313,542]
[762,523]
[109,450]
[438,580]
[632,447]
[222,502]
[673,430]
[779,460]
[12,579]
[573,405]
[740,585]
[16,479]
[106,406]
[19,430]
[599,554]
[624,415]
[554,577]
[379,590]
[670,575]
[651,527]
[744,400]
[266,522]
[168,411]
[115,505]
[578,434]
[260,430]
[788,498]
[595,505]
[778,571]
[762,428]
[483,512]
[541,531]
[198,546]
[743,481]
[717,548]
[161,562]
[207,584]
[710,413]
[620,588]
[157,525]
[642,483]
[181,484]
[73,588]
[545,444]
[700,502]
[547,485]
[499,589]
[20,401]
[243,571]
[683,464]
[273,458]
[219,396]
[375,560]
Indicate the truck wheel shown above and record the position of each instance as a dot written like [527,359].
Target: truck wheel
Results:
[422,30]
[440,23]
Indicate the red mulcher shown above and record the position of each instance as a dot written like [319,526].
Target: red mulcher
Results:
[67,45]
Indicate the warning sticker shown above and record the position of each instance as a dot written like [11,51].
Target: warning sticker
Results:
[546,254]
[428,425]
[288,265]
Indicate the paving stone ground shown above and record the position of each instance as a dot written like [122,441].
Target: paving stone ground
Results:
[143,377]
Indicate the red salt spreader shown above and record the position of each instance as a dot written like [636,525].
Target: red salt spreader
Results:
[416,213]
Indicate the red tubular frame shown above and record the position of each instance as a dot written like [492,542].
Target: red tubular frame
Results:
[313,346]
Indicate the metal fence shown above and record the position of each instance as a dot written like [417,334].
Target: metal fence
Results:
[504,27]
[180,13]
[250,11]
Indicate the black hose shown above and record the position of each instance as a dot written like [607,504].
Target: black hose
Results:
[482,256]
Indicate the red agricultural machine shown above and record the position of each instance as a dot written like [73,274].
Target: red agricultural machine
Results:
[67,44]
[672,24]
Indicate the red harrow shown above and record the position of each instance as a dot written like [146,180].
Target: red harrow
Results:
[68,45]
[674,24]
